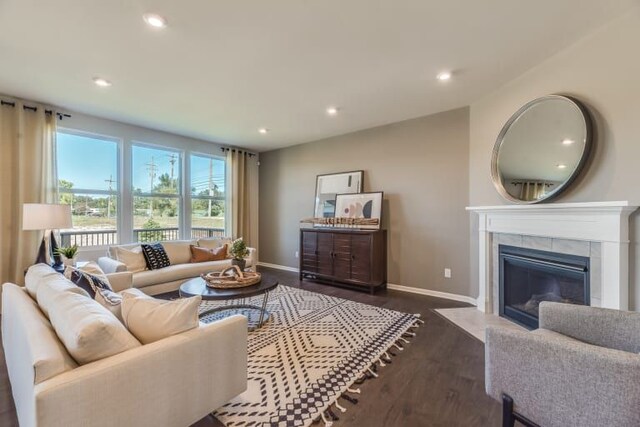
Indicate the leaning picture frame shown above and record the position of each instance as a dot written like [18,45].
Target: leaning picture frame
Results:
[329,185]
[361,206]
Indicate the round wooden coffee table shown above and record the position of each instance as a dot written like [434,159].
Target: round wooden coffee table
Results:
[197,286]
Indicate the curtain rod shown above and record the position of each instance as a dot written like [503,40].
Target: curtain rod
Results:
[238,150]
[34,109]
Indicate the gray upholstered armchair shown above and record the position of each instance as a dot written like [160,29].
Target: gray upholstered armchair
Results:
[580,368]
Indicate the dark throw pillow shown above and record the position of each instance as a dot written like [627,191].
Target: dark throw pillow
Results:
[87,281]
[155,255]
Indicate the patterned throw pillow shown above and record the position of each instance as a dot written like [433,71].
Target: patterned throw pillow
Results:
[89,282]
[156,256]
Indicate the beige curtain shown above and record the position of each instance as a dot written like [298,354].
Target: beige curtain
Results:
[242,202]
[27,175]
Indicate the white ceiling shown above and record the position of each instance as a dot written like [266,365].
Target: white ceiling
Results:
[223,69]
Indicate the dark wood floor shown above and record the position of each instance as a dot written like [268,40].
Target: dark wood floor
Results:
[438,380]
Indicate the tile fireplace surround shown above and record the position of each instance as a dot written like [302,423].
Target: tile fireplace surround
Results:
[599,230]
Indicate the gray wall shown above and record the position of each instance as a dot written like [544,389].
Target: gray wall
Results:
[421,165]
[602,70]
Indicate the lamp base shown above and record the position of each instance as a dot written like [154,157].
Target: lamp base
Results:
[51,251]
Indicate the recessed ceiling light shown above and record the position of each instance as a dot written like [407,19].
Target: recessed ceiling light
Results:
[332,111]
[444,76]
[154,20]
[99,81]
[263,130]
[561,166]
[567,141]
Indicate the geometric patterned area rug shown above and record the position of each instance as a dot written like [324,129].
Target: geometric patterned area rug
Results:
[308,356]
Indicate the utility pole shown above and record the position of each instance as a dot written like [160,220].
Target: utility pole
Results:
[210,185]
[173,158]
[152,168]
[109,181]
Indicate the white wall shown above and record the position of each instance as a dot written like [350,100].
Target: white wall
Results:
[603,71]
[127,134]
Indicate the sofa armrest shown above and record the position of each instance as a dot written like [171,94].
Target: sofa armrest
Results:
[110,265]
[609,328]
[252,258]
[172,382]
[120,281]
[556,381]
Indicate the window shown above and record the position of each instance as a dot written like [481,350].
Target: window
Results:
[207,196]
[156,193]
[87,180]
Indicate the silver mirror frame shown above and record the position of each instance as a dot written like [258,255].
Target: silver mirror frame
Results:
[588,143]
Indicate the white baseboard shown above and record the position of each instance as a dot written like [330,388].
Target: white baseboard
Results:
[278,267]
[420,291]
[437,294]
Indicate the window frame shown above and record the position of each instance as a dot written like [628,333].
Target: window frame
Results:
[88,192]
[180,196]
[191,197]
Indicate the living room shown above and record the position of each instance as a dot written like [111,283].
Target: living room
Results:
[221,213]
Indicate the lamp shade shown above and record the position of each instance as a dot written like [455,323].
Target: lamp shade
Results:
[43,216]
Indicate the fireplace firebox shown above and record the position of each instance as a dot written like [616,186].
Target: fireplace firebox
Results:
[529,277]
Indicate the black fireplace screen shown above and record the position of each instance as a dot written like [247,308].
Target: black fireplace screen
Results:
[529,276]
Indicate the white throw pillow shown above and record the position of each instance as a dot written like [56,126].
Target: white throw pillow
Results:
[88,331]
[133,258]
[151,319]
[112,301]
[215,242]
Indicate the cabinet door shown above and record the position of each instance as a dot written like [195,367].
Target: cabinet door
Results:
[342,256]
[361,258]
[310,251]
[325,254]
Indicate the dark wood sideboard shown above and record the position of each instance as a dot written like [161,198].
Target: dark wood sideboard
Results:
[356,258]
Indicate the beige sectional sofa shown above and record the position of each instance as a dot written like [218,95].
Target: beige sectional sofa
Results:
[174,381]
[153,282]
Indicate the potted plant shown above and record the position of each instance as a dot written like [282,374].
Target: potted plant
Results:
[238,252]
[68,254]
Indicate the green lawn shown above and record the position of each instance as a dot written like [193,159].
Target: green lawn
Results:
[103,223]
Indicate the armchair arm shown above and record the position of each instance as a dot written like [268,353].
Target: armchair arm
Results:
[120,281]
[172,382]
[558,381]
[110,265]
[615,329]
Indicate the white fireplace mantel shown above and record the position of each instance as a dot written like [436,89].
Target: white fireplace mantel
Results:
[604,222]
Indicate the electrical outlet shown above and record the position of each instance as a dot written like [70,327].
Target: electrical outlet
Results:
[447,273]
[297,254]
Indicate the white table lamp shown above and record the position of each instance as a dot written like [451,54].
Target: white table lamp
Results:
[47,217]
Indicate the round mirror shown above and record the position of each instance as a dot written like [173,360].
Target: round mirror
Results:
[541,149]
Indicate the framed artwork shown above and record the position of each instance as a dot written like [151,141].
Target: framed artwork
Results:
[329,185]
[362,205]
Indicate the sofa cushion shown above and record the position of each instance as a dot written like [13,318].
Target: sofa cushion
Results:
[151,319]
[29,334]
[177,272]
[199,254]
[34,276]
[178,251]
[51,286]
[132,258]
[88,331]
[215,242]
[155,256]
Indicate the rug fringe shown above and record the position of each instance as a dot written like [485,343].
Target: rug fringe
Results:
[327,416]
[327,423]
